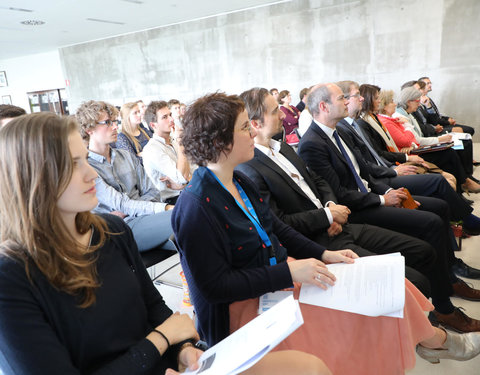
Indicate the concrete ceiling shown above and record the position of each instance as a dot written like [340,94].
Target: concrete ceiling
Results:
[70,22]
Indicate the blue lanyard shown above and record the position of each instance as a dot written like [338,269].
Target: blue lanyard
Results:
[252,215]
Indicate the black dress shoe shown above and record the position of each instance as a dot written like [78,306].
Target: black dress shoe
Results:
[464,270]
[466,200]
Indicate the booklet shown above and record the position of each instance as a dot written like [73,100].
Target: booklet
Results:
[245,347]
[372,286]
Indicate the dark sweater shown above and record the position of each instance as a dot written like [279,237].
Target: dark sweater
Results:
[42,331]
[222,254]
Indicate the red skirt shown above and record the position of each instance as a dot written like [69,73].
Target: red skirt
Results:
[351,343]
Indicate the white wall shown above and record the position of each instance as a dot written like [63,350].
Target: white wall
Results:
[42,71]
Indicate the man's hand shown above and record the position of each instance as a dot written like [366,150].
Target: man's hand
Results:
[339,256]
[425,100]
[339,212]
[334,229]
[438,128]
[452,121]
[417,160]
[405,169]
[172,184]
[395,197]
[119,214]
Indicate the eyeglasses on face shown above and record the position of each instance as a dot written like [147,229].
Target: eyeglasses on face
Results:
[107,122]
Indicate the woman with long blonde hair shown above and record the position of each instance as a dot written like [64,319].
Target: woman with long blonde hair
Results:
[133,137]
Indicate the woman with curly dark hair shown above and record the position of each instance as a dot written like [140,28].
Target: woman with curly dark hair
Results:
[233,250]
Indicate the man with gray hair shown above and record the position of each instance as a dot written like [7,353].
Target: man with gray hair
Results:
[373,202]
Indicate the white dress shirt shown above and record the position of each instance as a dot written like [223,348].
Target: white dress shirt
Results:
[273,152]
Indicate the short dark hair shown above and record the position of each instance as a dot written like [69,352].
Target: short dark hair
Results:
[368,92]
[408,84]
[422,78]
[10,111]
[208,127]
[173,102]
[272,90]
[303,92]
[152,109]
[254,100]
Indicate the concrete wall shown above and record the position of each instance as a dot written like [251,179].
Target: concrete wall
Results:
[290,46]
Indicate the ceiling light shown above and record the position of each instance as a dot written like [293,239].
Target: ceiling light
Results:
[19,9]
[134,1]
[105,21]
[32,22]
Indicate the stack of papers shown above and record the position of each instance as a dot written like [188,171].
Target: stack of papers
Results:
[245,347]
[371,286]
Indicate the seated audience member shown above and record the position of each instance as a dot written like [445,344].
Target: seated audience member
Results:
[408,103]
[144,124]
[306,202]
[168,169]
[432,185]
[133,137]
[174,106]
[122,186]
[304,121]
[334,158]
[303,98]
[77,299]
[183,109]
[274,92]
[290,122]
[385,146]
[8,112]
[435,117]
[231,254]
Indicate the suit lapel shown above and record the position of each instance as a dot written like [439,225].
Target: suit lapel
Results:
[265,160]
[330,144]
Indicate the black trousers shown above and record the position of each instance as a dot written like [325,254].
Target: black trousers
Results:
[430,223]
[368,240]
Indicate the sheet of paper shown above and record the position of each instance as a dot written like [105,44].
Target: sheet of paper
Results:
[243,348]
[269,300]
[372,286]
[457,140]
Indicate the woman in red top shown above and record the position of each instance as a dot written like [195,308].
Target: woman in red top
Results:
[404,139]
[292,114]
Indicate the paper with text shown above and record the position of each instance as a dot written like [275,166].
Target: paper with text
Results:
[371,286]
[243,348]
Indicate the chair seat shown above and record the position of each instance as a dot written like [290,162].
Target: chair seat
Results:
[154,256]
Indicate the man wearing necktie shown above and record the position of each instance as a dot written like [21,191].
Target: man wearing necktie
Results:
[340,163]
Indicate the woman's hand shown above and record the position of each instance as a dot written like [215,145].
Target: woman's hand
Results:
[311,271]
[178,327]
[187,358]
[339,256]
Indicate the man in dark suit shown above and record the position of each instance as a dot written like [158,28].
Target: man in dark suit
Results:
[306,202]
[431,185]
[375,203]
[435,117]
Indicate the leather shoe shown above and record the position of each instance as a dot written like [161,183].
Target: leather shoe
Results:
[463,290]
[456,321]
[464,270]
[460,347]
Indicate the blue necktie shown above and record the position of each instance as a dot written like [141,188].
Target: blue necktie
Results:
[370,148]
[358,180]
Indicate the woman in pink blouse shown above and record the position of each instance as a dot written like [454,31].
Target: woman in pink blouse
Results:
[290,122]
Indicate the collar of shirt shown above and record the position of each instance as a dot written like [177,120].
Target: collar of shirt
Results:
[274,145]
[328,131]
[100,158]
[349,120]
[160,139]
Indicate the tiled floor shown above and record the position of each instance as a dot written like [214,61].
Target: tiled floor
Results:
[470,254]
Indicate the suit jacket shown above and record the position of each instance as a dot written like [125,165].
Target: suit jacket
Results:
[325,159]
[377,142]
[428,130]
[286,199]
[378,171]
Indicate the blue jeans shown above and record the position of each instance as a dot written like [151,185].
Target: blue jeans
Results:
[151,231]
